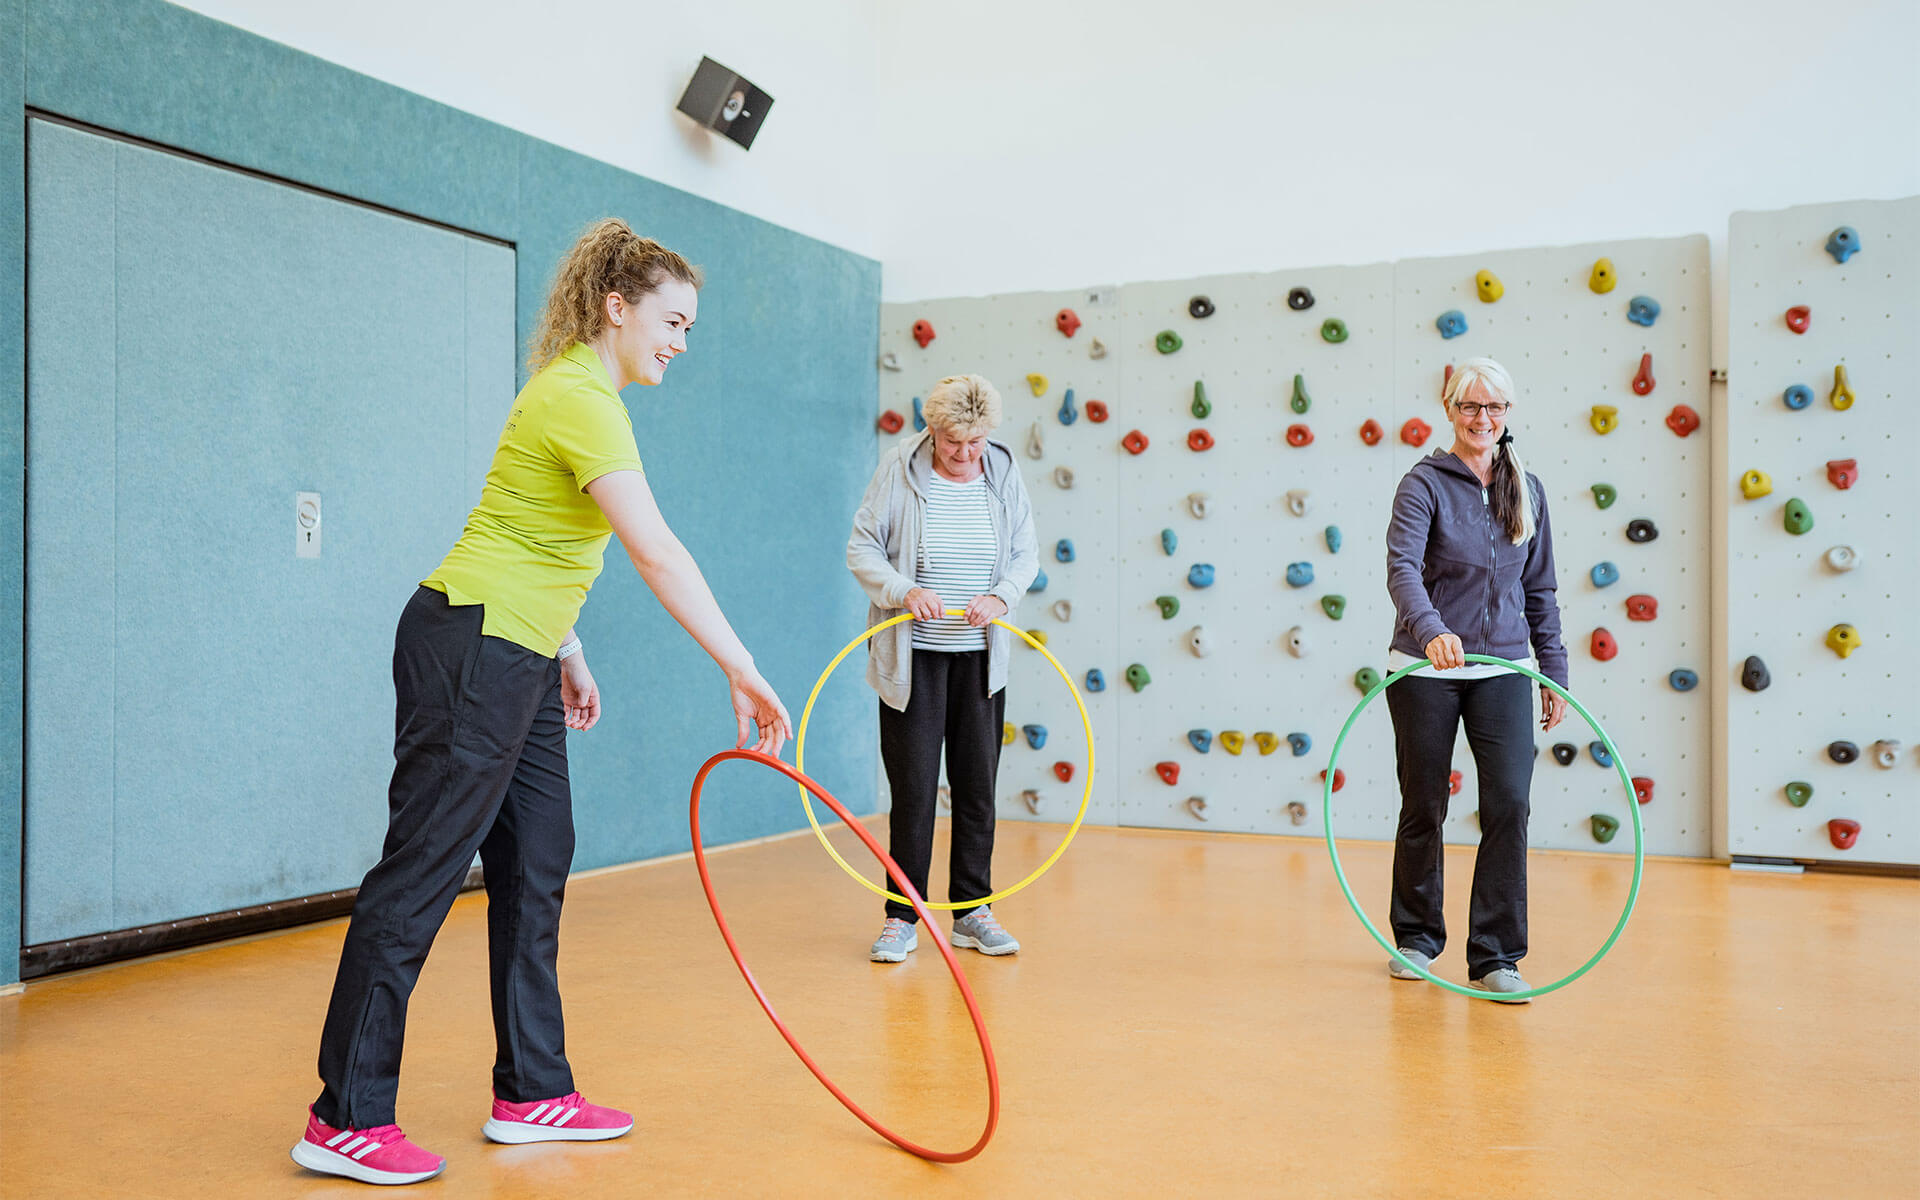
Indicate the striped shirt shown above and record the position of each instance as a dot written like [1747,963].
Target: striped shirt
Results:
[957,556]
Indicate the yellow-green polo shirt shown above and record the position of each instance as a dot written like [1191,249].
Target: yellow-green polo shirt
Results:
[536,542]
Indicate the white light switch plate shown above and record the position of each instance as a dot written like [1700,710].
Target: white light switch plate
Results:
[306,524]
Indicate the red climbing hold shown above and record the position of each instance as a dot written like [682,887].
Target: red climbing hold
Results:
[1643,378]
[1135,442]
[1416,432]
[1642,608]
[1454,780]
[1371,433]
[1843,473]
[1603,645]
[1799,317]
[1063,771]
[1683,420]
[1096,411]
[1339,778]
[1299,435]
[923,332]
[1169,772]
[1199,439]
[1643,789]
[892,422]
[1446,378]
[1067,321]
[1842,832]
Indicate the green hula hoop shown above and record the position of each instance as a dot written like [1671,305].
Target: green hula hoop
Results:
[1633,807]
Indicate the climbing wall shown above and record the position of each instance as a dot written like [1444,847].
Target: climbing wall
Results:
[1824,563]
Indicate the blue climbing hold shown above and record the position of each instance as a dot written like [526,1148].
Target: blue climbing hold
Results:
[1682,680]
[1036,735]
[1064,550]
[1201,739]
[1200,575]
[1452,323]
[1169,541]
[1068,413]
[1333,539]
[1096,682]
[1599,752]
[1842,243]
[1643,310]
[1299,574]
[1604,574]
[919,420]
[1797,397]
[1301,743]
[1039,583]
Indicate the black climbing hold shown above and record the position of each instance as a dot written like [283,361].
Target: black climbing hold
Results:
[1641,530]
[1842,752]
[1564,753]
[1200,307]
[1300,299]
[1753,674]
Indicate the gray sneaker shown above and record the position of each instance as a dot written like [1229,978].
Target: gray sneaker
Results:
[1423,961]
[897,940]
[1500,981]
[978,930]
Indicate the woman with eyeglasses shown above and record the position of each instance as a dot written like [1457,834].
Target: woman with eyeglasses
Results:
[1470,570]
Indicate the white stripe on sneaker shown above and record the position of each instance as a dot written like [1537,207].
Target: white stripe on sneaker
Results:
[348,1148]
[548,1119]
[337,1138]
[535,1114]
[365,1150]
[571,1114]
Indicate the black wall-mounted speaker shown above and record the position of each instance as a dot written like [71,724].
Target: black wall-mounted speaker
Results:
[725,103]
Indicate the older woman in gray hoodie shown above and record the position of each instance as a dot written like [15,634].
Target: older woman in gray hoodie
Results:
[945,524]
[1470,570]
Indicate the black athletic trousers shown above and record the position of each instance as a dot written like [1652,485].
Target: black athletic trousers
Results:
[480,763]
[949,703]
[1498,715]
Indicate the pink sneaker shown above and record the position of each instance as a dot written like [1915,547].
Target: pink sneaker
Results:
[568,1119]
[382,1155]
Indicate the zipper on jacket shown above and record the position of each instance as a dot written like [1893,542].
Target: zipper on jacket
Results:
[1486,612]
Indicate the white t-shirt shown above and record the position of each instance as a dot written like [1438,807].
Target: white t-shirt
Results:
[958,552]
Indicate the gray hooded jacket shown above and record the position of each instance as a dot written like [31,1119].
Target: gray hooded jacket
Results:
[884,552]
[1449,570]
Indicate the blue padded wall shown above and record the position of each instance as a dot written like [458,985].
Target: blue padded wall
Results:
[758,447]
[13,468]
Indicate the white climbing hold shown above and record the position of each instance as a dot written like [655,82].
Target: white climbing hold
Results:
[1036,445]
[1197,807]
[1096,349]
[1297,502]
[890,361]
[1842,558]
[1199,642]
[1031,799]
[1296,812]
[1297,642]
[1886,753]
[1063,477]
[1063,610]
[1199,503]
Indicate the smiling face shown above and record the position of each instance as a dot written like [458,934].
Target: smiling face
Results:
[1476,430]
[646,336]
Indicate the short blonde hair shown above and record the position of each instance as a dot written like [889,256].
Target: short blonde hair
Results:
[963,407]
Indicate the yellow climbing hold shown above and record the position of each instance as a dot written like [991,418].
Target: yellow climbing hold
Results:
[1755,484]
[1232,741]
[1843,640]
[1038,383]
[1601,280]
[1007,734]
[1489,286]
[1267,742]
[1038,635]
[1605,417]
[1842,396]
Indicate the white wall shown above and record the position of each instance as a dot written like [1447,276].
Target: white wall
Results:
[603,79]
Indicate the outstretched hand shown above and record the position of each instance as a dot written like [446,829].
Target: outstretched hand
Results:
[763,719]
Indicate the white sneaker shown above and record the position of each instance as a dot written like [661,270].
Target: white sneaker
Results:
[980,930]
[897,940]
[1423,961]
[1500,981]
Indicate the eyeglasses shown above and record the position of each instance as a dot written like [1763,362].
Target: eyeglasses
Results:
[1470,409]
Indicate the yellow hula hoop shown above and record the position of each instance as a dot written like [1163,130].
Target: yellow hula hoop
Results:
[800,764]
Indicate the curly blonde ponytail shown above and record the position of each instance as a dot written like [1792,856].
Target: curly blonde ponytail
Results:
[609,257]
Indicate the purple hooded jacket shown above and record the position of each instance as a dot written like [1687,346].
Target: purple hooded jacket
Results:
[1449,570]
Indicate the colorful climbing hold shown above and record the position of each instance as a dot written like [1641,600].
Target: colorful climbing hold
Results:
[1602,645]
[1232,741]
[1754,675]
[1451,323]
[1169,772]
[1755,484]
[1096,680]
[1601,756]
[1300,299]
[1038,384]
[1415,432]
[1843,639]
[1200,739]
[1843,243]
[1640,531]
[1202,408]
[1886,753]
[1333,330]
[1797,397]
[1300,402]
[1199,440]
[1097,411]
[1068,413]
[1008,733]
[1334,605]
[1371,433]
[1067,322]
[892,422]
[1167,341]
[1366,679]
[1842,558]
[1038,635]
[1843,473]
[1200,308]
[1841,831]
[1299,574]
[1296,812]
[1062,610]
[1339,778]
[1604,494]
[1799,317]
[1683,420]
[1643,310]
[1063,550]
[1063,477]
[1199,504]
[1488,285]
[1604,418]
[923,332]
[919,417]
[1169,541]
[1137,677]
[1454,781]
[1600,279]
[1135,442]
[1299,500]
[1843,752]
[1169,607]
[1797,518]
[1680,679]
[1267,742]
[1036,735]
[1604,827]
[1604,574]
[1842,395]
[1039,583]
[1200,575]
[1641,607]
[1297,642]
[1063,771]
[1299,435]
[1564,753]
[1300,743]
[1199,642]
[1332,535]
[1798,793]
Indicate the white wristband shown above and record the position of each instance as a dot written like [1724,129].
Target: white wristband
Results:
[568,650]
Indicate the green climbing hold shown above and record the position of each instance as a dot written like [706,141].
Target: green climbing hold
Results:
[1334,606]
[1202,408]
[1301,402]
[1604,827]
[1334,330]
[1167,341]
[1604,494]
[1169,607]
[1366,679]
[1138,677]
[1799,518]
[1798,793]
